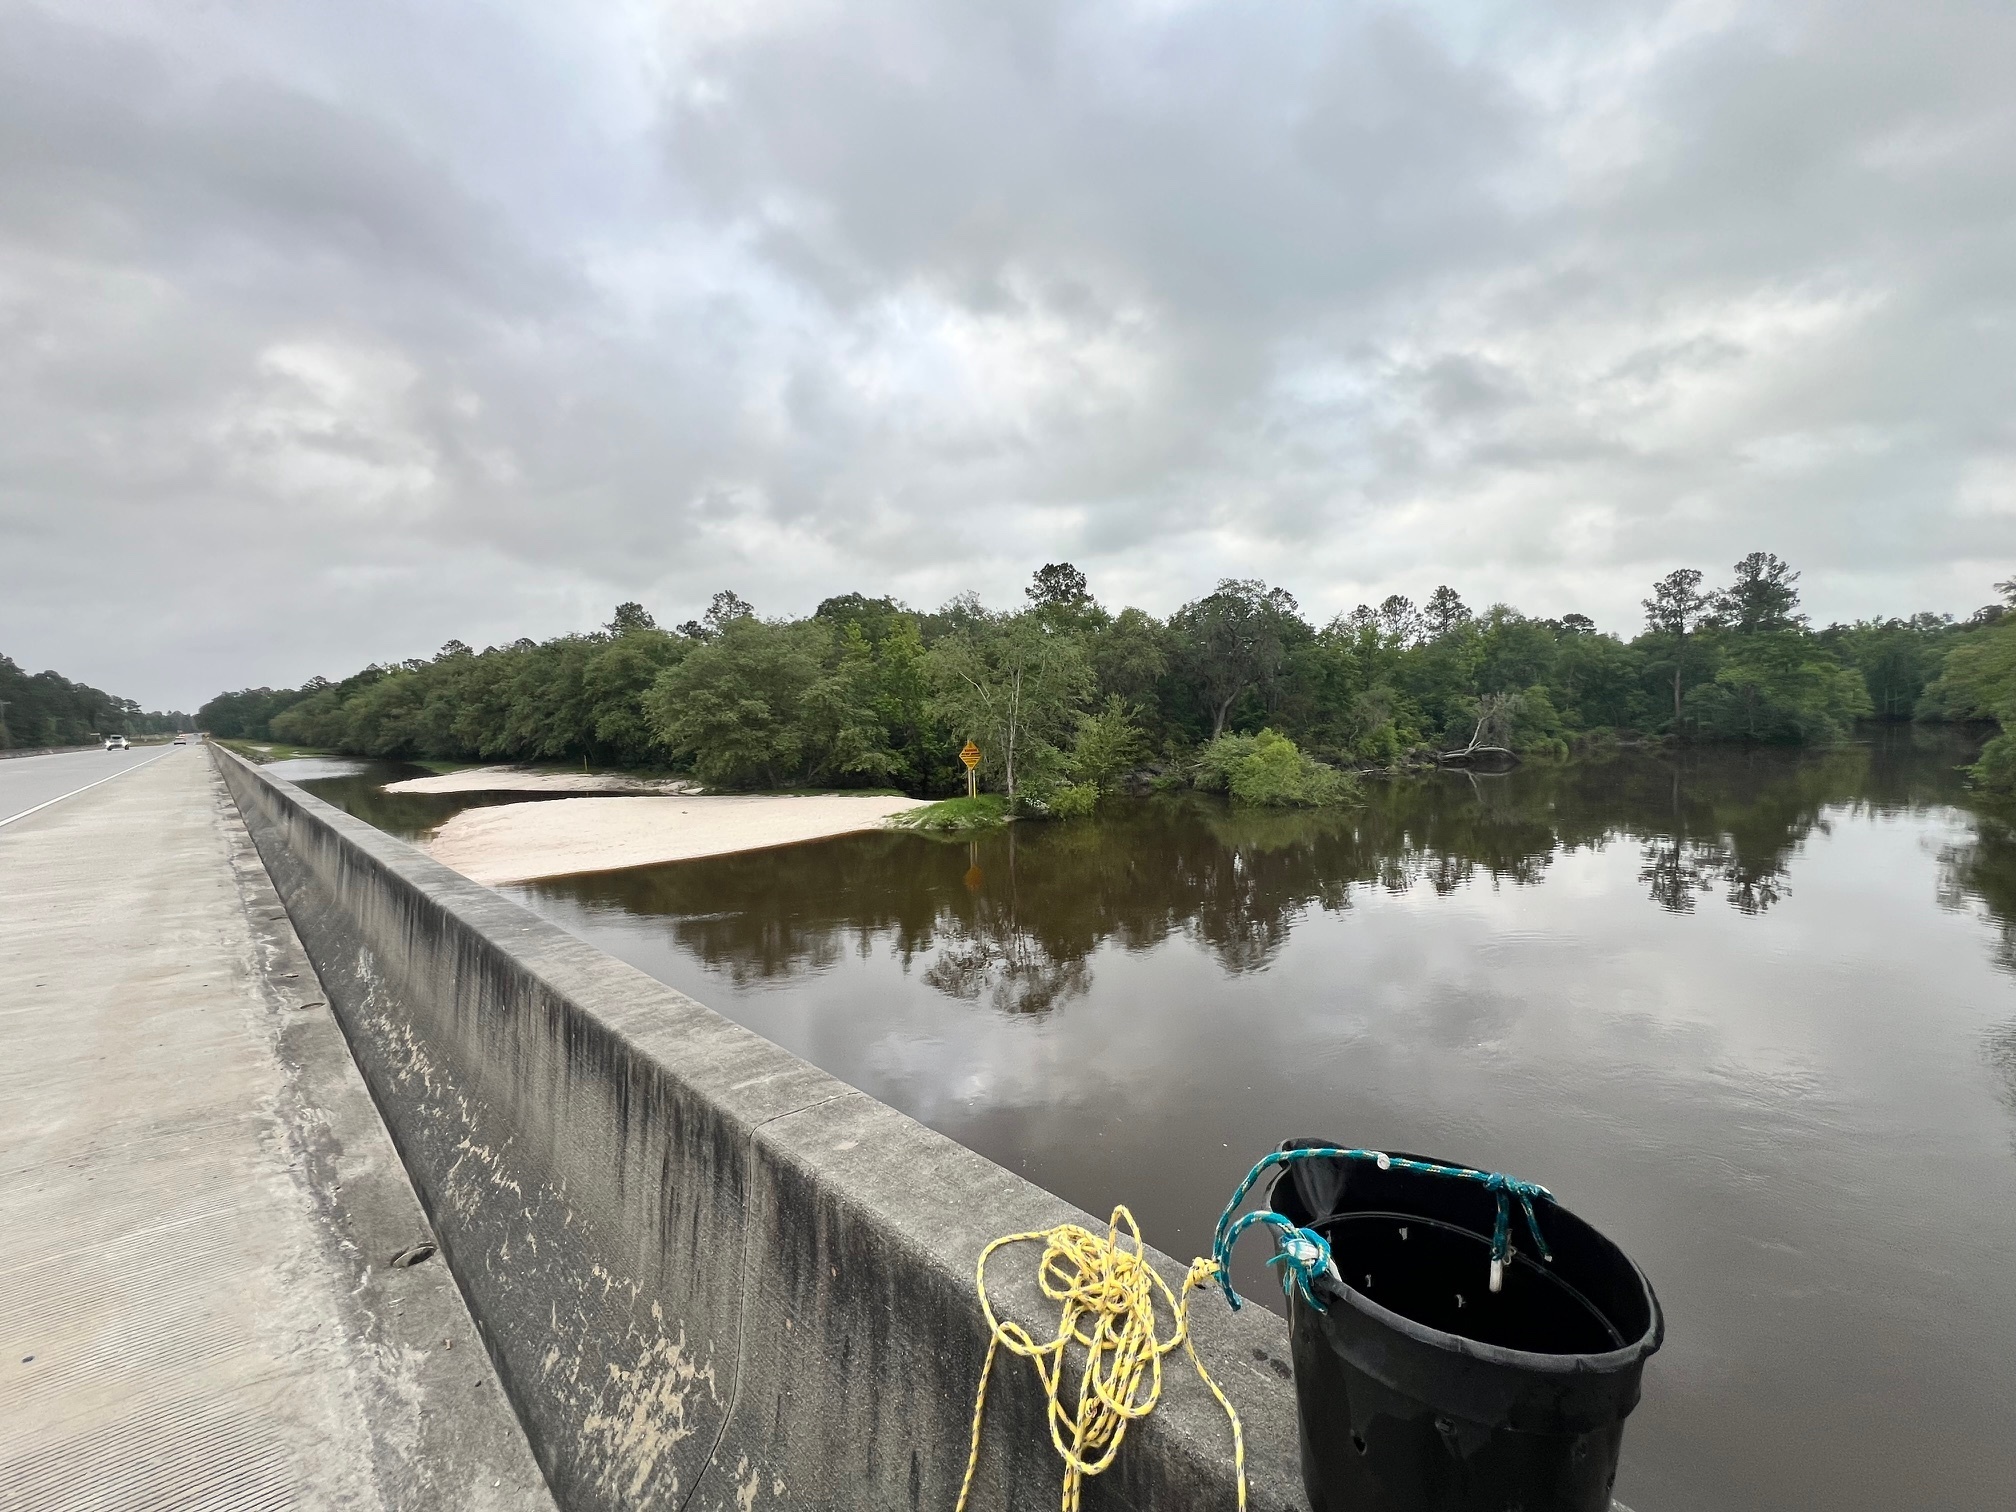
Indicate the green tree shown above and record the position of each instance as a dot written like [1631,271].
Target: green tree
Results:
[1108,746]
[848,715]
[1761,598]
[1058,585]
[1233,641]
[1442,678]
[547,710]
[875,703]
[1131,655]
[733,706]
[727,607]
[630,616]
[867,690]
[1517,652]
[1013,686]
[47,709]
[1444,611]
[616,681]
[1400,620]
[1897,658]
[1779,686]
[1597,682]
[1676,610]
[384,719]
[1978,681]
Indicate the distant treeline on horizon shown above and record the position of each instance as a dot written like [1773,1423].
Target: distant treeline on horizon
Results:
[43,709]
[1061,691]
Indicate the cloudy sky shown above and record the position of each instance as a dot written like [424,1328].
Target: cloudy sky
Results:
[328,332]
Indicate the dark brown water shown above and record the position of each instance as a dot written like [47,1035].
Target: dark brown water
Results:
[1751,1013]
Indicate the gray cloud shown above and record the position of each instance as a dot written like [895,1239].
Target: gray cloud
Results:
[333,332]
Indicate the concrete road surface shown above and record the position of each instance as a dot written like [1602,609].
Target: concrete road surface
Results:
[198,1202]
[28,782]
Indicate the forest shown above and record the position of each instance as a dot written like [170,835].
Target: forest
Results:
[43,709]
[1237,690]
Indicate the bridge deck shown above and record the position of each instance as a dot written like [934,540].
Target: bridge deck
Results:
[198,1200]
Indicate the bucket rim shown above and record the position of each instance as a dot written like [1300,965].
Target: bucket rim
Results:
[1607,1363]
[1624,1357]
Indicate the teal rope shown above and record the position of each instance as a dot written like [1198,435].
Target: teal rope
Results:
[1305,1254]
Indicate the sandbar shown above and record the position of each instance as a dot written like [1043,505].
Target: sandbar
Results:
[520,842]
[522,779]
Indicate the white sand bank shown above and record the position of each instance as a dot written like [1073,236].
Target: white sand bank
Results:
[517,842]
[519,779]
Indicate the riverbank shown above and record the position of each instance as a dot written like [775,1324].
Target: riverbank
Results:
[522,842]
[524,779]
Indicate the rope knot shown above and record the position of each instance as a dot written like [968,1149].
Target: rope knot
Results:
[1505,1188]
[1305,1255]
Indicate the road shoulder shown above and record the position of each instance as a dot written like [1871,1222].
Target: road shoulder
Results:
[198,1200]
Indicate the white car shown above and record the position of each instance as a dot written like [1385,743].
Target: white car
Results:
[116,743]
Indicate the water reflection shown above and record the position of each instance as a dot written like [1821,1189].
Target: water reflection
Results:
[1981,872]
[358,787]
[1013,921]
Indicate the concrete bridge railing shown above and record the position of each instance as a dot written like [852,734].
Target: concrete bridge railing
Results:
[710,1274]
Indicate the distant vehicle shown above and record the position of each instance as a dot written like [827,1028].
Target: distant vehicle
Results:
[116,743]
[181,740]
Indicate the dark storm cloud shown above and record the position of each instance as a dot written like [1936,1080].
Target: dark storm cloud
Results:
[333,332]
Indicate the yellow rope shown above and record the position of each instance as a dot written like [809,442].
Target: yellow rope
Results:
[1108,1294]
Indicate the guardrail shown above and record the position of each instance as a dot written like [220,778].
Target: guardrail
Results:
[709,1273]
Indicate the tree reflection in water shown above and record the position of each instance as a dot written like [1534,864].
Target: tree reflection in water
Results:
[999,958]
[1980,873]
[1013,920]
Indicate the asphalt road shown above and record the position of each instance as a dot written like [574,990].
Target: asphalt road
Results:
[29,782]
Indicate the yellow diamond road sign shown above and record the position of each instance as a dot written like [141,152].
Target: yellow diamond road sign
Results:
[971,755]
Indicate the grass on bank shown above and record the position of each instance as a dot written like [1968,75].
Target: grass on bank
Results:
[956,815]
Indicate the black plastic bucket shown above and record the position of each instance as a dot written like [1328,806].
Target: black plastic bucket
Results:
[1421,1390]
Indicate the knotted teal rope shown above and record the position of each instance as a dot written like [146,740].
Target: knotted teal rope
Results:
[1305,1254]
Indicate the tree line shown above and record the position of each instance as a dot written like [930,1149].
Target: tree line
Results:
[44,709]
[1070,700]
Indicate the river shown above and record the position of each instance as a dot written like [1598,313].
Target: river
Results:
[1751,1012]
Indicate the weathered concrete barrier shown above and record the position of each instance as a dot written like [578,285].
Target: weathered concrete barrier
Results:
[708,1272]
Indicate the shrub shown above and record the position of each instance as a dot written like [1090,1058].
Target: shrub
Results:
[1217,761]
[1270,770]
[1073,800]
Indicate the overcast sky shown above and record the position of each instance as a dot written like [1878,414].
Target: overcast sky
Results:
[331,331]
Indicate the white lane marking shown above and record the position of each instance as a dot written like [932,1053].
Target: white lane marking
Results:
[84,789]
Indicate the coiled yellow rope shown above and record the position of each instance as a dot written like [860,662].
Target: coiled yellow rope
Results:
[1108,1294]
